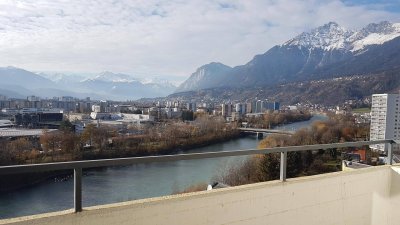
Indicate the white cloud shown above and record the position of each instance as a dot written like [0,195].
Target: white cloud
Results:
[157,37]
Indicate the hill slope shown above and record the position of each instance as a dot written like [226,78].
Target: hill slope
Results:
[325,52]
[332,91]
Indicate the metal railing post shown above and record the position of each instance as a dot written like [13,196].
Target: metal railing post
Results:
[390,153]
[78,189]
[283,166]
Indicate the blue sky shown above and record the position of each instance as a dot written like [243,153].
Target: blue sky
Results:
[163,37]
[388,5]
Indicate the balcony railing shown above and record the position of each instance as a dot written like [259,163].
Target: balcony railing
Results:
[77,166]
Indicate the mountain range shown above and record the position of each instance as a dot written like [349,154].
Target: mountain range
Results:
[19,83]
[325,52]
[297,70]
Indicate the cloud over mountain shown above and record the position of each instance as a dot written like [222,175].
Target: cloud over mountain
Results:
[155,37]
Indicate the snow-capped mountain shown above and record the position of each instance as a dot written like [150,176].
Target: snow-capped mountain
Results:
[331,36]
[122,86]
[324,52]
[159,82]
[62,78]
[375,34]
[328,37]
[19,83]
[106,85]
[113,77]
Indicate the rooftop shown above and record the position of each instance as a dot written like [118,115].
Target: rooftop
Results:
[11,132]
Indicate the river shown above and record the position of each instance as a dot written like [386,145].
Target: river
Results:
[118,184]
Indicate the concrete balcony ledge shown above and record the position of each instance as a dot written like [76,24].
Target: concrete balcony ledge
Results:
[364,196]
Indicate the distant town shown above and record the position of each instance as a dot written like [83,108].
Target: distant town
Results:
[36,130]
[37,113]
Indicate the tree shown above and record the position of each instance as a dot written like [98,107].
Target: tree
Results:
[69,142]
[6,156]
[66,125]
[20,145]
[87,134]
[50,141]
[97,136]
[269,166]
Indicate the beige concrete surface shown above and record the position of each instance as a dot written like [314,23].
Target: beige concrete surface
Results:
[361,197]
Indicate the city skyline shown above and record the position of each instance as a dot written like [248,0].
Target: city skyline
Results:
[160,38]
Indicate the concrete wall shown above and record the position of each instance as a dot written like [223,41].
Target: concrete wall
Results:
[386,203]
[364,197]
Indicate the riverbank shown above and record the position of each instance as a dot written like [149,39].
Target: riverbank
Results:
[117,184]
[274,119]
[338,128]
[20,181]
[133,147]
[162,148]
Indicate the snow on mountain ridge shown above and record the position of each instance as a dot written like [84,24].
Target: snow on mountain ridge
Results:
[62,78]
[113,77]
[154,84]
[157,81]
[377,35]
[331,36]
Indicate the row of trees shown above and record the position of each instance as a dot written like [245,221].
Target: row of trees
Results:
[105,142]
[15,151]
[266,167]
[60,145]
[167,138]
[270,119]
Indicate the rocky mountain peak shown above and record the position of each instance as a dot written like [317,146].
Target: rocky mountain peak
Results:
[329,28]
[328,36]
[374,34]
[107,76]
[332,36]
[326,51]
[213,66]
[384,27]
[209,74]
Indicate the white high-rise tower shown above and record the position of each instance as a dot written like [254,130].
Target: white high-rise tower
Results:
[385,119]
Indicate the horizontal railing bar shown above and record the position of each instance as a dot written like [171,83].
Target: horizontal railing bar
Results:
[14,169]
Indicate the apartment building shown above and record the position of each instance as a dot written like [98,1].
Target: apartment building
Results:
[385,119]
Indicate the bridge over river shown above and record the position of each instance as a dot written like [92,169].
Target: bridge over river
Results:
[260,131]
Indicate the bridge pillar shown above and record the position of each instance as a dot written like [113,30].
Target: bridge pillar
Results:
[260,135]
